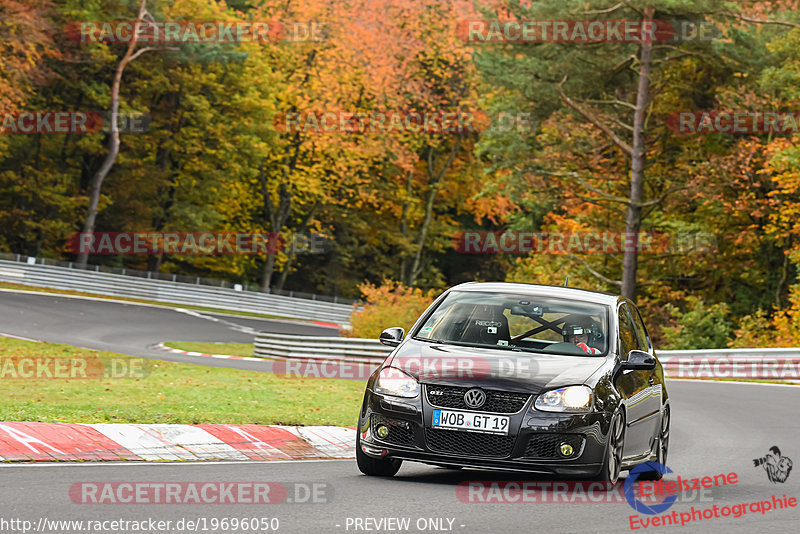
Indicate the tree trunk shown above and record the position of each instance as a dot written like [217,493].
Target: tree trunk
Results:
[154,262]
[159,222]
[404,227]
[113,142]
[423,233]
[633,219]
[292,250]
[266,276]
[433,186]
[277,216]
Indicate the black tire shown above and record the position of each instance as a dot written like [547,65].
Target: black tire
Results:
[376,467]
[609,473]
[662,448]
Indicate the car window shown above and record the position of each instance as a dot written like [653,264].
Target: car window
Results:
[522,322]
[626,333]
[518,325]
[641,331]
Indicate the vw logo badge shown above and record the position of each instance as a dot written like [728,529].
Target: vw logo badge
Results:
[474,398]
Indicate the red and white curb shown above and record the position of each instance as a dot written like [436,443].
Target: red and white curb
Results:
[330,325]
[24,442]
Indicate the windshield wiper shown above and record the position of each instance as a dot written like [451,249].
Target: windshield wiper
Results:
[479,345]
[527,349]
[429,340]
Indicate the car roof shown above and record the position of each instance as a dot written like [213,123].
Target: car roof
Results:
[584,295]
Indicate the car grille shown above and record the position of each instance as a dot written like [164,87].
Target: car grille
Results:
[469,443]
[547,445]
[496,401]
[398,433]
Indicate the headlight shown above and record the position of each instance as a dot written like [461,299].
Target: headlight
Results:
[569,399]
[392,381]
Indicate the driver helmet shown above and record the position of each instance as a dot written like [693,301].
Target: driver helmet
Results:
[578,325]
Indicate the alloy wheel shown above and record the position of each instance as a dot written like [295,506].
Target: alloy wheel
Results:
[663,438]
[615,450]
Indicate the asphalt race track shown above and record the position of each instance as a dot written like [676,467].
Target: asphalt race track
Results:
[717,428]
[133,329]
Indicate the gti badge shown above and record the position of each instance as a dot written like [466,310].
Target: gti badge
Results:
[474,398]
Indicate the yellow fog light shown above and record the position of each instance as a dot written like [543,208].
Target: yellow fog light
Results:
[382,431]
[566,449]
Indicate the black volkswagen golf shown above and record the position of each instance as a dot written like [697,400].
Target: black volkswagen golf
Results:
[518,377]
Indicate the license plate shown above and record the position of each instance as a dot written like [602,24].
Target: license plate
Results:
[475,422]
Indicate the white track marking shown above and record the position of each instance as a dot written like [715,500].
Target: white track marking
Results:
[2,334]
[229,324]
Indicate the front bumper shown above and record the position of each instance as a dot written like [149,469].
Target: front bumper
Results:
[532,444]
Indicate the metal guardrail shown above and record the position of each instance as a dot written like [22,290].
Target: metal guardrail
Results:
[282,346]
[119,285]
[730,353]
[174,277]
[763,363]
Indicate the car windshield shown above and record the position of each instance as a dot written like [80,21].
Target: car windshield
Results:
[518,322]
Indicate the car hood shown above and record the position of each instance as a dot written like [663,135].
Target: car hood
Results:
[527,372]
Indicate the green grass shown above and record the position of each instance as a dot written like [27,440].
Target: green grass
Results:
[170,393]
[9,285]
[231,349]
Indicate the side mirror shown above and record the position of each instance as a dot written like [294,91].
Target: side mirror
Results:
[391,337]
[638,361]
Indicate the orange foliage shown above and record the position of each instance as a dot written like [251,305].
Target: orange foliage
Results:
[24,43]
[390,304]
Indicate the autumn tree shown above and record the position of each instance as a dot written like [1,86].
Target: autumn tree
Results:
[604,146]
